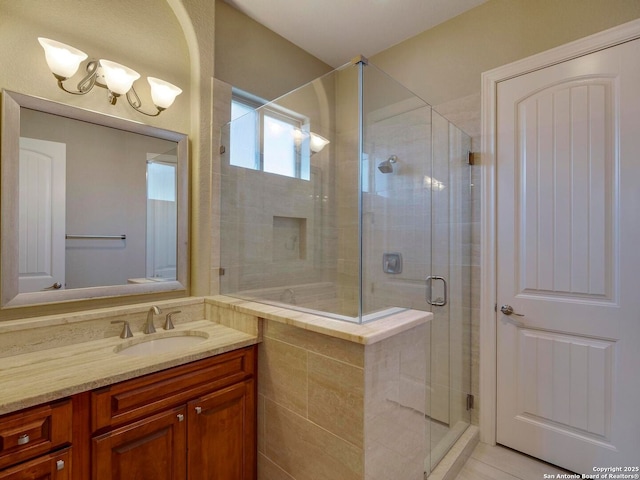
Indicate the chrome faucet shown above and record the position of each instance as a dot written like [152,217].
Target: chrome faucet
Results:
[148,326]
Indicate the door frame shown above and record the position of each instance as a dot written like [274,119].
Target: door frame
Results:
[488,235]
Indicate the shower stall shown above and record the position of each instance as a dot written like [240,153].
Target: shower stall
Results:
[350,198]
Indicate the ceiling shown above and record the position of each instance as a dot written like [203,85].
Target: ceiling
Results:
[335,31]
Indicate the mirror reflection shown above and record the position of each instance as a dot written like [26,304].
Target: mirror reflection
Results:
[100,202]
[92,205]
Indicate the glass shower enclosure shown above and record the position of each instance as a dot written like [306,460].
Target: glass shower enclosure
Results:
[350,198]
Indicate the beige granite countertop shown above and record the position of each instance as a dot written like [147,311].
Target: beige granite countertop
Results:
[37,377]
[365,334]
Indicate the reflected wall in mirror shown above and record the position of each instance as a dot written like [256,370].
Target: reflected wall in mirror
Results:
[92,205]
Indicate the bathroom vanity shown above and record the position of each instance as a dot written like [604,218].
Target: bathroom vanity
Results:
[194,421]
[87,410]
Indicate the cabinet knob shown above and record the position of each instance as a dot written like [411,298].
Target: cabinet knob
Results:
[23,439]
[180,417]
[198,410]
[60,465]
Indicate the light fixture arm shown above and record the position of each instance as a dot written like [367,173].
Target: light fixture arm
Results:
[86,84]
[134,101]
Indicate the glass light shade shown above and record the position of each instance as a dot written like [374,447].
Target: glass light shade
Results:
[163,93]
[63,60]
[118,78]
[299,136]
[317,142]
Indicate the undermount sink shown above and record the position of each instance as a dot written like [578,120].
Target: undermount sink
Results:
[164,344]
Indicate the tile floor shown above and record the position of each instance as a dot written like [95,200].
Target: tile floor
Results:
[500,463]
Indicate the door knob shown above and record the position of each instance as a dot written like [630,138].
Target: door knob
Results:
[508,310]
[55,286]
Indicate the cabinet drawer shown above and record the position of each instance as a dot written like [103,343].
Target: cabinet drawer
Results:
[55,466]
[133,399]
[34,431]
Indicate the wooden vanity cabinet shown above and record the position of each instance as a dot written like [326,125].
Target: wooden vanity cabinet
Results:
[195,421]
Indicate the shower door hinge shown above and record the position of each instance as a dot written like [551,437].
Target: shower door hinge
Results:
[471,158]
[469,401]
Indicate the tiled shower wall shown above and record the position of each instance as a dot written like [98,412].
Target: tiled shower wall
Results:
[259,214]
[329,408]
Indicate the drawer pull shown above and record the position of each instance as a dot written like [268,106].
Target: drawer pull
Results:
[180,417]
[60,465]
[198,410]
[23,439]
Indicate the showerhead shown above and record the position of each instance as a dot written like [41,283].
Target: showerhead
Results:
[386,166]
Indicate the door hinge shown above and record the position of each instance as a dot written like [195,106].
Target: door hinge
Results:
[221,271]
[495,307]
[471,158]
[470,401]
[222,150]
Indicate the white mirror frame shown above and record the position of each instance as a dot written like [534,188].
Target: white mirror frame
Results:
[10,297]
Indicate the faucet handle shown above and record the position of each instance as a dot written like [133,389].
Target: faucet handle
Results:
[168,324]
[126,330]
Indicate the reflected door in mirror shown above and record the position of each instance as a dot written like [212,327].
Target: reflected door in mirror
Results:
[42,207]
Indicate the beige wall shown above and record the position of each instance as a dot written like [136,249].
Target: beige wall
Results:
[253,58]
[112,30]
[445,62]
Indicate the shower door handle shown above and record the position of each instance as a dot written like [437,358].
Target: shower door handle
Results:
[438,302]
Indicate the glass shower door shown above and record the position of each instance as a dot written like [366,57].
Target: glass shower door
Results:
[450,288]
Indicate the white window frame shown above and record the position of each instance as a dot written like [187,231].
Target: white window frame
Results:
[279,113]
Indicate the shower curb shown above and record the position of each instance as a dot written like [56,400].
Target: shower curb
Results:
[452,463]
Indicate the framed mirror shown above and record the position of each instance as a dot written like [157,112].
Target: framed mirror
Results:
[91,205]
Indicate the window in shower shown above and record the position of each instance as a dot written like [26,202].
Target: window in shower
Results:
[244,135]
[269,139]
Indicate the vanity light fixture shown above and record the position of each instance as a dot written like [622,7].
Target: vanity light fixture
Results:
[64,61]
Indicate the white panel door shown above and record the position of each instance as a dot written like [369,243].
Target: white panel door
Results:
[568,259]
[42,204]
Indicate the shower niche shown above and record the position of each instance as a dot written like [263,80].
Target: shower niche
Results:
[289,239]
[352,231]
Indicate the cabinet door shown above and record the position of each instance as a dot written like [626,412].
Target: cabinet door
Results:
[222,434]
[152,448]
[55,466]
